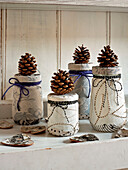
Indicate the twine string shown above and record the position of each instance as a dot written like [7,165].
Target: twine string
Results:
[79,74]
[62,104]
[108,80]
[23,89]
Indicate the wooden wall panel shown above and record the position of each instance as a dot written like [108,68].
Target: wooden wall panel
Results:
[88,28]
[52,36]
[103,3]
[119,42]
[0,54]
[33,32]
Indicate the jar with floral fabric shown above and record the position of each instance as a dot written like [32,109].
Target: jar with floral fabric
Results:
[27,104]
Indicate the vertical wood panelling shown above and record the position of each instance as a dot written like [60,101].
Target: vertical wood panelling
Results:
[3,49]
[119,42]
[0,53]
[108,28]
[33,32]
[52,36]
[58,38]
[88,28]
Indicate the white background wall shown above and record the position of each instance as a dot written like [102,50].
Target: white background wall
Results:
[51,36]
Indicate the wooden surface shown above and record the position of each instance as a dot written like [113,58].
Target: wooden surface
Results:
[49,152]
[115,3]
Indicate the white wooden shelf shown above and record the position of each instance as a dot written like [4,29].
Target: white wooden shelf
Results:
[110,3]
[77,5]
[49,152]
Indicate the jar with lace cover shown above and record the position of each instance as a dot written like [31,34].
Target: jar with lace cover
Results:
[107,108]
[63,114]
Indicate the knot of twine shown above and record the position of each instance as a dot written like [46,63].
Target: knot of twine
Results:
[108,80]
[79,74]
[23,89]
[62,104]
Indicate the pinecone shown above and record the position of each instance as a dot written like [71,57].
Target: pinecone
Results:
[81,55]
[62,83]
[27,65]
[108,58]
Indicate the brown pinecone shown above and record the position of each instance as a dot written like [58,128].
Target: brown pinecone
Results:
[27,65]
[81,55]
[108,58]
[62,83]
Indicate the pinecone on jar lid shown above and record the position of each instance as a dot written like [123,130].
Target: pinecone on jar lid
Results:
[62,83]
[81,55]
[108,58]
[27,65]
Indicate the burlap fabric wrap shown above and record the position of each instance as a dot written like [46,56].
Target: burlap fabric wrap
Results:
[28,108]
[107,108]
[82,88]
[63,114]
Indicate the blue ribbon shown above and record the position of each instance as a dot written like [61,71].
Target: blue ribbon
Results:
[23,89]
[80,74]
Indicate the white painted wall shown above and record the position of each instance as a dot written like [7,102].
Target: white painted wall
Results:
[33,32]
[119,42]
[52,36]
[77,28]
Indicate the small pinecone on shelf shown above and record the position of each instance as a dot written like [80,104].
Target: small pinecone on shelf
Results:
[27,65]
[81,55]
[62,83]
[108,58]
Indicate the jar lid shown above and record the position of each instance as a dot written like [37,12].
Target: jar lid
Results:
[86,66]
[65,97]
[33,78]
[106,71]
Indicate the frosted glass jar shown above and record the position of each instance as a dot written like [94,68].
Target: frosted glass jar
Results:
[82,76]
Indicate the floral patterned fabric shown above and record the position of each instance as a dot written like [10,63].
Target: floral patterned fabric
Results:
[31,106]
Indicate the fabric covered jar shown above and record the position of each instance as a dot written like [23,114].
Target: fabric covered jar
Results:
[107,108]
[82,76]
[63,114]
[27,107]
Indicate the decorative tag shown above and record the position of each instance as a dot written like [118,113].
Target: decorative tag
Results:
[84,138]
[5,124]
[18,140]
[33,129]
[120,133]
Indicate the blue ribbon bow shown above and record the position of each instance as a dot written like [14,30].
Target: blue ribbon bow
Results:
[80,74]
[23,89]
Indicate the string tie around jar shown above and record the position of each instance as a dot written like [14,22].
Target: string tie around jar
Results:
[109,80]
[22,86]
[62,104]
[86,74]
